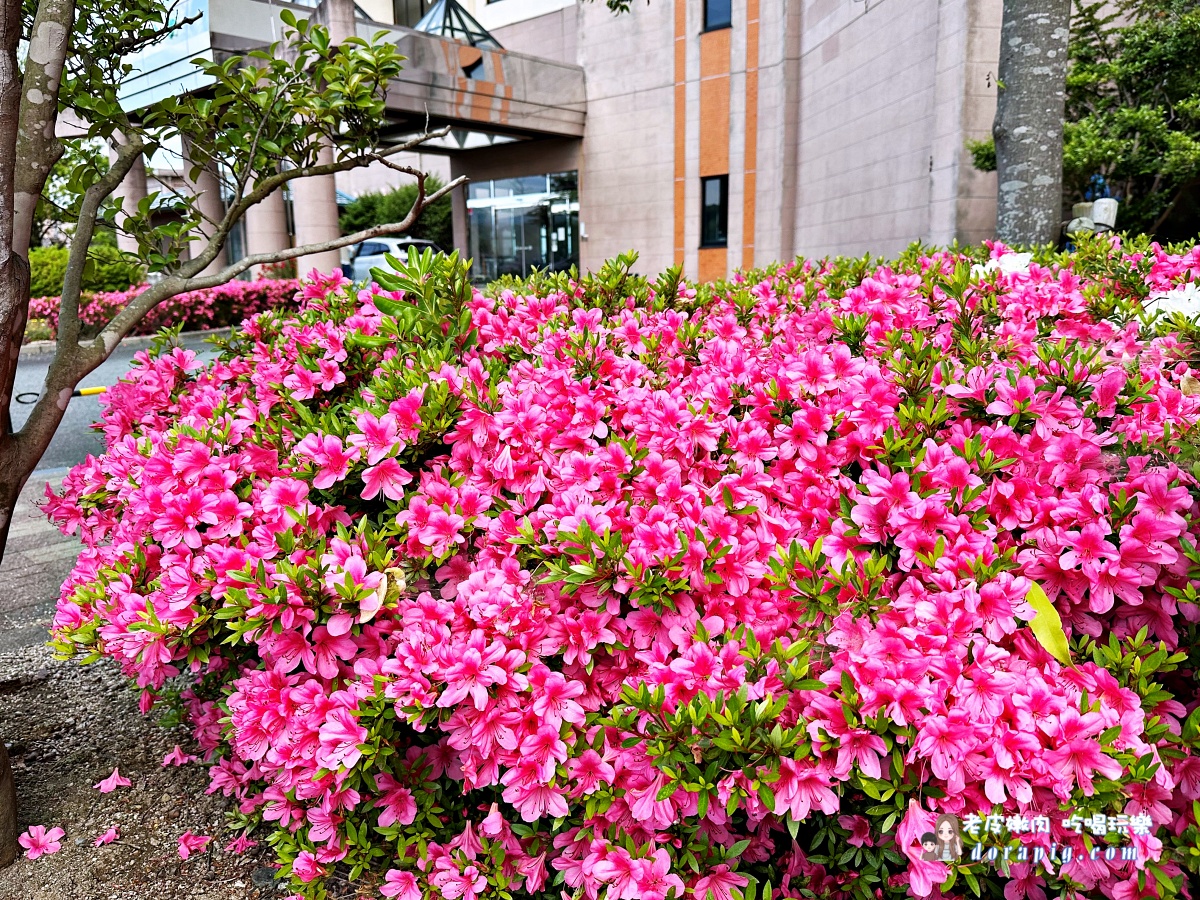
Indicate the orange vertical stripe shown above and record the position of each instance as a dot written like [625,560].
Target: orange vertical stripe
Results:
[713,262]
[750,171]
[714,102]
[714,131]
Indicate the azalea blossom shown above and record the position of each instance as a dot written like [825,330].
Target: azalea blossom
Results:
[191,843]
[112,782]
[37,841]
[177,758]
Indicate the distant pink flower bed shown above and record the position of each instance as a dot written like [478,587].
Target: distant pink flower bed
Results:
[202,310]
[618,590]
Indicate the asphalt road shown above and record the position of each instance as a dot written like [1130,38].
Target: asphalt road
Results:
[76,438]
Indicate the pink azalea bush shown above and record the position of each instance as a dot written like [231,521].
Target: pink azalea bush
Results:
[216,307]
[611,589]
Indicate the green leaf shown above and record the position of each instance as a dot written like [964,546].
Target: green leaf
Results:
[1047,625]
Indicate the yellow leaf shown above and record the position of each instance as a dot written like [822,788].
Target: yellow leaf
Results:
[1047,625]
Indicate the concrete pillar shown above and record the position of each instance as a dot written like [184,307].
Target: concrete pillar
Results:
[314,206]
[266,227]
[131,192]
[460,218]
[207,189]
[314,200]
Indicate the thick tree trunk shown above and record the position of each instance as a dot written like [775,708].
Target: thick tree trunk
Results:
[1029,120]
[14,284]
[14,273]
[8,811]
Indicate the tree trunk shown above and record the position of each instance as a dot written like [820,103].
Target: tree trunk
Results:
[14,284]
[8,811]
[1029,120]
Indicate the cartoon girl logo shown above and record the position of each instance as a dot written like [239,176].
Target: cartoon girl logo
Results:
[947,841]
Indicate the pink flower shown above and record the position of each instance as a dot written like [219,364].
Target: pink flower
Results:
[37,841]
[112,782]
[654,879]
[800,788]
[719,884]
[923,875]
[190,843]
[306,868]
[177,758]
[397,805]
[240,845]
[860,830]
[388,477]
[340,738]
[108,837]
[400,885]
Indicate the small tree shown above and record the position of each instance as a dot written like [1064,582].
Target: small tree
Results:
[1133,107]
[264,122]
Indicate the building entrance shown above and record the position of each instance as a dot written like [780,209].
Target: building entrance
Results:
[517,224]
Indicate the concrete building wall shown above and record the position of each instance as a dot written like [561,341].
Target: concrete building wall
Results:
[626,191]
[842,124]
[977,190]
[866,117]
[553,35]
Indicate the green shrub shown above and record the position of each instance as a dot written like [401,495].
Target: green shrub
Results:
[377,208]
[38,330]
[107,270]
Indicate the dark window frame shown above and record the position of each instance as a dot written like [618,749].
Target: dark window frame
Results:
[717,26]
[722,238]
[398,14]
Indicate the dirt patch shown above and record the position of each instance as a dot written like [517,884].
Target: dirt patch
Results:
[68,727]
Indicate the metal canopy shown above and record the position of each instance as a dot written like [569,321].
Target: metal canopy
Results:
[447,19]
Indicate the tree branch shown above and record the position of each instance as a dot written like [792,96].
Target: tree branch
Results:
[131,44]
[38,148]
[81,241]
[266,186]
[121,324]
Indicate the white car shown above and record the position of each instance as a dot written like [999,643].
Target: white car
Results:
[370,255]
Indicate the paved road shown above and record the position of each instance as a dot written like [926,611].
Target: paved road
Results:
[37,561]
[76,438]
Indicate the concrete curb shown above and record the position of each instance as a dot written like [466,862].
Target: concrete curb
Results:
[46,348]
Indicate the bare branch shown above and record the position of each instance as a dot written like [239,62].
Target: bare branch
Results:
[121,324]
[407,170]
[68,313]
[130,44]
[276,180]
[232,271]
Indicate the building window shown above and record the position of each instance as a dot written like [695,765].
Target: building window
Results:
[409,12]
[717,14]
[714,211]
[518,224]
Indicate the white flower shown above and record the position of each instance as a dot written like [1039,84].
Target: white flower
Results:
[1184,299]
[1008,264]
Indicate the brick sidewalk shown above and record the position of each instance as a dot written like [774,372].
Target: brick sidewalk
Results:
[36,562]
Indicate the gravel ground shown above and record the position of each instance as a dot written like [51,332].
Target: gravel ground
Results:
[67,727]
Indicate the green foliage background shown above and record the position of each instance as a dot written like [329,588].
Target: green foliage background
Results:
[107,270]
[434,223]
[1133,113]
[1133,110]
